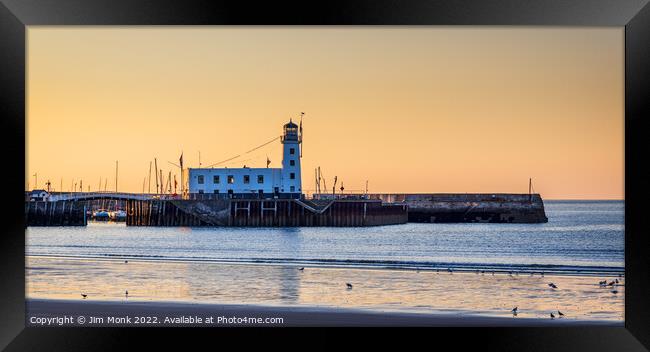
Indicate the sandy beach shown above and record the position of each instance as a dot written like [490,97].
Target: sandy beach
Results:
[315,295]
[133,314]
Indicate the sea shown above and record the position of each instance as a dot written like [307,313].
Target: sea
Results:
[580,237]
[462,268]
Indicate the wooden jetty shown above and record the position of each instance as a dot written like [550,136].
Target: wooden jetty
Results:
[61,213]
[264,213]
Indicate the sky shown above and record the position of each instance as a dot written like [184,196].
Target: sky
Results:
[408,109]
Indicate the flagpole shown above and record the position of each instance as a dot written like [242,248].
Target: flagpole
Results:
[182,185]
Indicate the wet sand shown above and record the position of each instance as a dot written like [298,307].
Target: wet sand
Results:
[144,314]
[318,295]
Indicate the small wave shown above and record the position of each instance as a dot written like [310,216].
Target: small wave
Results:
[373,263]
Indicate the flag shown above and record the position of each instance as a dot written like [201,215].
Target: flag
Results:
[268,161]
[181,160]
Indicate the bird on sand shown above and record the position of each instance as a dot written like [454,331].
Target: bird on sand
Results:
[552,316]
[552,285]
[126,261]
[301,269]
[84,295]
[616,280]
[514,311]
[449,270]
[614,291]
[560,313]
[349,285]
[611,283]
[126,294]
[602,283]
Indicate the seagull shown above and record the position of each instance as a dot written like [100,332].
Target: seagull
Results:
[611,283]
[84,295]
[514,311]
[552,285]
[302,269]
[560,313]
[449,270]
[126,294]
[552,316]
[616,280]
[126,261]
[349,285]
[602,283]
[614,291]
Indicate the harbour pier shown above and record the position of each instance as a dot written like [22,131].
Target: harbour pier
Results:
[469,207]
[264,213]
[44,213]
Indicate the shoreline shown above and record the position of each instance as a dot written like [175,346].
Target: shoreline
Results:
[285,287]
[363,265]
[131,314]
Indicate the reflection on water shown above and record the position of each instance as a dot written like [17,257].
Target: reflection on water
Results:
[578,297]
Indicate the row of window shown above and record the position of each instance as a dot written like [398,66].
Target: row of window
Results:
[231,179]
[275,190]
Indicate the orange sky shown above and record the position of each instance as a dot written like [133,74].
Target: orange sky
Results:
[411,109]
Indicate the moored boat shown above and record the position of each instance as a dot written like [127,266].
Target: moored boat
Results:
[101,215]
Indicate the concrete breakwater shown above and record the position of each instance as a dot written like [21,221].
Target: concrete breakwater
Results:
[264,213]
[464,208]
[42,213]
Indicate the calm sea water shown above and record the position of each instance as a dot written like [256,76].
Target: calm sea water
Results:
[585,237]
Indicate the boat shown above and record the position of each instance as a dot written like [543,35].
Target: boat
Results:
[101,215]
[118,215]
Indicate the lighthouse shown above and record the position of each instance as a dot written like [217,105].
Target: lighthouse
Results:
[247,182]
[291,140]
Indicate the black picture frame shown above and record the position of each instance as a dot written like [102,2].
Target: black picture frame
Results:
[634,15]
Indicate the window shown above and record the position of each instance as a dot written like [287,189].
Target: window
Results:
[292,151]
[231,179]
[293,188]
[201,191]
[292,162]
[292,176]
[201,179]
[215,179]
[216,191]
[276,190]
[247,179]
[260,178]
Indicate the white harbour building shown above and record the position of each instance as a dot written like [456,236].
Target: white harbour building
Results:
[246,182]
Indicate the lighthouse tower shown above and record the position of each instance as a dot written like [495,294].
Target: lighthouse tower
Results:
[291,180]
